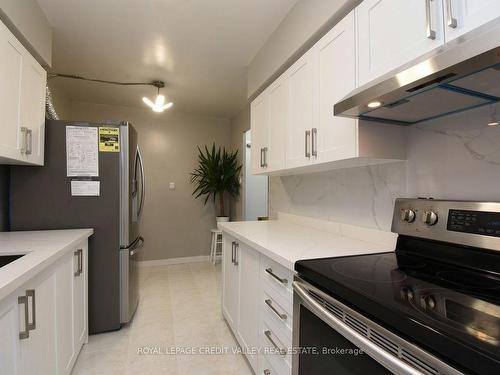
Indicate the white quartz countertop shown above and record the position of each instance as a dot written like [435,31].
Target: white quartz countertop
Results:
[42,248]
[287,242]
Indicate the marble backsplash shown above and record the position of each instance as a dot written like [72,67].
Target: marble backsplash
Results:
[456,157]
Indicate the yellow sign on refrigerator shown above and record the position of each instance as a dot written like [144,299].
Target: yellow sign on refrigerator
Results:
[109,139]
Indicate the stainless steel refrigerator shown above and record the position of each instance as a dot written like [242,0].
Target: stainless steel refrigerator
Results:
[41,198]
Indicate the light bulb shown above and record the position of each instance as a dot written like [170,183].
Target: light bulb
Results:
[159,103]
[374,104]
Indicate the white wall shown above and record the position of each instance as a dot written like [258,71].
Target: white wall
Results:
[27,21]
[456,157]
[305,24]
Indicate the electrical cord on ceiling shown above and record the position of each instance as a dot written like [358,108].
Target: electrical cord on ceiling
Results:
[157,84]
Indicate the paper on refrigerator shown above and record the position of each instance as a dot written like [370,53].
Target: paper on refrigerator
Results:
[82,151]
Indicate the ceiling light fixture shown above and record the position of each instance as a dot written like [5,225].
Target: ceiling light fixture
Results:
[159,103]
[374,104]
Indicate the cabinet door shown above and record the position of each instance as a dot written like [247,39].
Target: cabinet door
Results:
[336,137]
[11,58]
[277,97]
[38,352]
[301,83]
[394,32]
[462,16]
[32,103]
[230,298]
[260,132]
[64,314]
[9,335]
[80,299]
[248,322]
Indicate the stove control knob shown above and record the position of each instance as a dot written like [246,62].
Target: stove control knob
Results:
[408,215]
[430,218]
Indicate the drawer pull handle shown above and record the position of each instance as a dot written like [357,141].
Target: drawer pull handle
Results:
[30,293]
[23,300]
[270,272]
[270,304]
[269,337]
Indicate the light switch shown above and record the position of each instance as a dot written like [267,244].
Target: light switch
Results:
[171,185]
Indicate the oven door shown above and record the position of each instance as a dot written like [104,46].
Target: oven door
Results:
[331,338]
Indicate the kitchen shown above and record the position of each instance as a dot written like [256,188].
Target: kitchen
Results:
[373,124]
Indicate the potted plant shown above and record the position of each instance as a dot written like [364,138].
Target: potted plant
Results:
[217,174]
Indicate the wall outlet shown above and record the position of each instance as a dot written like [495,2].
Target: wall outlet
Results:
[171,186]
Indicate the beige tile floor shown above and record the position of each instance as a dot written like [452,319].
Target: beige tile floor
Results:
[180,306]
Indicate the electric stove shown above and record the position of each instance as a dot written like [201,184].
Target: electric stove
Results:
[438,293]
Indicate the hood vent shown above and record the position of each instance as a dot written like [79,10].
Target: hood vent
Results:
[460,77]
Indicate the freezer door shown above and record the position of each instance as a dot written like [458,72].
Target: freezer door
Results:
[129,280]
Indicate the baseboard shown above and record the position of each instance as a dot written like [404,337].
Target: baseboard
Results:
[167,262]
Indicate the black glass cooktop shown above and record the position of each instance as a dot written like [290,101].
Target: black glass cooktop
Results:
[450,308]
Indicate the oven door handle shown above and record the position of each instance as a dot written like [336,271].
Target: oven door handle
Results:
[381,356]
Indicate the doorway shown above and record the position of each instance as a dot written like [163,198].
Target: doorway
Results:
[255,188]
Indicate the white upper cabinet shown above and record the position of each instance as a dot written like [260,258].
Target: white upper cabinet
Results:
[394,32]
[269,113]
[301,78]
[335,138]
[22,103]
[278,116]
[462,16]
[259,116]
[11,66]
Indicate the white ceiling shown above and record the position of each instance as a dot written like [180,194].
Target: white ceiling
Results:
[200,48]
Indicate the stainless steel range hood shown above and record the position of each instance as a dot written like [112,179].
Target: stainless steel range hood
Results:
[462,75]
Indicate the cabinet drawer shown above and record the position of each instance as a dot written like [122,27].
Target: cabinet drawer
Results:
[277,309]
[266,368]
[272,341]
[275,276]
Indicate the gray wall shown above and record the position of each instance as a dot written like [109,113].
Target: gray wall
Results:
[174,223]
[28,22]
[239,125]
[457,157]
[4,198]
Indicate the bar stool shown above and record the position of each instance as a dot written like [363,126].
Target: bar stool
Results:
[215,250]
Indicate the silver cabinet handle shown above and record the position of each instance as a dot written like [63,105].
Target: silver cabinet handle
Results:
[306,146]
[314,141]
[30,293]
[24,143]
[232,252]
[265,157]
[273,309]
[431,34]
[450,20]
[261,157]
[270,272]
[78,253]
[236,247]
[270,338]
[29,142]
[23,300]
[267,372]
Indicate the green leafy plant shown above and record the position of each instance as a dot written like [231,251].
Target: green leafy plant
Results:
[217,173]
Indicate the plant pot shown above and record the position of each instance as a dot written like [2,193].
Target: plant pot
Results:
[222,219]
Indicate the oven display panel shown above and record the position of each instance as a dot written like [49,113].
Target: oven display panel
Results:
[477,222]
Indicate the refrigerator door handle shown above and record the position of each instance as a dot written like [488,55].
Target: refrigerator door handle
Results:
[143,182]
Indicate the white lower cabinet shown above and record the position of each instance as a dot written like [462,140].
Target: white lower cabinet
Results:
[257,301]
[44,323]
